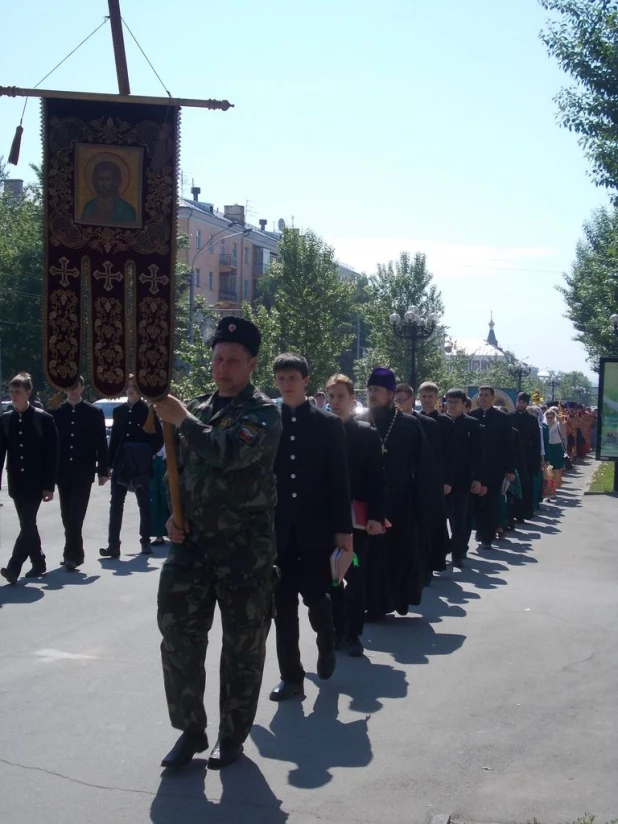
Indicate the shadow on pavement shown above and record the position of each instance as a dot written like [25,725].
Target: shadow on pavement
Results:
[121,568]
[19,594]
[316,742]
[246,797]
[366,682]
[60,578]
[411,640]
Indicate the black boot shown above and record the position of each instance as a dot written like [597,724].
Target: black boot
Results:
[189,743]
[321,620]
[223,754]
[286,690]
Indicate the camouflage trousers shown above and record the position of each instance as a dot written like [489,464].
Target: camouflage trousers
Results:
[190,587]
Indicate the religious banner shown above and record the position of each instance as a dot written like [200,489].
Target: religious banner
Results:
[110,230]
[607,426]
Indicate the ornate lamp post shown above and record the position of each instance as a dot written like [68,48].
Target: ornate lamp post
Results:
[519,370]
[550,380]
[413,327]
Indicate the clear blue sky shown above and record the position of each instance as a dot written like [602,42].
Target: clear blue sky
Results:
[419,125]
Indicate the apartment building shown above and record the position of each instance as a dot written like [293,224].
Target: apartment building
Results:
[227,255]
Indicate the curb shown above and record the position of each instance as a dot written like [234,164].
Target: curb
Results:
[441,818]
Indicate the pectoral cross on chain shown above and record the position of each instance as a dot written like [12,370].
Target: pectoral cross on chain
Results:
[384,450]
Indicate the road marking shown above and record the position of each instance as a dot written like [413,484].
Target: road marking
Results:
[48,655]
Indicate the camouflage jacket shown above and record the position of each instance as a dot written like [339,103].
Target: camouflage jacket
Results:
[226,462]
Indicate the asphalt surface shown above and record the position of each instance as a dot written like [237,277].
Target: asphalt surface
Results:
[496,702]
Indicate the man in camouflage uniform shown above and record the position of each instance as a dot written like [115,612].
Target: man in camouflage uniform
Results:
[228,442]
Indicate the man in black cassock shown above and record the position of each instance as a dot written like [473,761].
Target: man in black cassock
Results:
[83,453]
[368,490]
[528,427]
[396,571]
[468,473]
[428,396]
[500,463]
[313,517]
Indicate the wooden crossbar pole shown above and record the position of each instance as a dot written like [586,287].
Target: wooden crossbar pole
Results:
[16,91]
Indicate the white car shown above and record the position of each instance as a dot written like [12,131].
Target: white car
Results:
[108,407]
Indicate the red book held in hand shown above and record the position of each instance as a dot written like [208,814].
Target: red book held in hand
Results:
[360,514]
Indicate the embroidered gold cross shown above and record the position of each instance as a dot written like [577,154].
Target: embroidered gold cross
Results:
[64,271]
[108,276]
[154,279]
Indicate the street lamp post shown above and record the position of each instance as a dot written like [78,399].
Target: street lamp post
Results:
[413,327]
[519,370]
[551,381]
[613,321]
[206,246]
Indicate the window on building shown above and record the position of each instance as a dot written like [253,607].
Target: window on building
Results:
[211,245]
[246,254]
[198,239]
[210,279]
[234,251]
[245,289]
[198,279]
[222,247]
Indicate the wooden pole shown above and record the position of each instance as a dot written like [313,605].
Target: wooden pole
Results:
[120,55]
[172,474]
[15,91]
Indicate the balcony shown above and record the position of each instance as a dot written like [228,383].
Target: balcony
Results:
[227,262]
[227,288]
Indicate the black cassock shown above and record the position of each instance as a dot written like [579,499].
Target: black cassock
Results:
[399,560]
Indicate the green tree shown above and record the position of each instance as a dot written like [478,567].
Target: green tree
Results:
[394,287]
[575,386]
[309,307]
[21,279]
[590,289]
[583,38]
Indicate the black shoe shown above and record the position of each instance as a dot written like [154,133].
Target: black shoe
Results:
[286,690]
[106,552]
[223,754]
[146,549]
[189,743]
[458,562]
[327,661]
[10,576]
[354,647]
[36,572]
[70,566]
[402,609]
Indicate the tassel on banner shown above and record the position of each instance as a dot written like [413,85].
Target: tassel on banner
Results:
[55,401]
[16,146]
[149,427]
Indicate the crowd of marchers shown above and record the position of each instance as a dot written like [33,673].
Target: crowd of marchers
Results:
[268,492]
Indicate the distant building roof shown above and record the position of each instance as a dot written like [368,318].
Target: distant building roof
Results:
[476,347]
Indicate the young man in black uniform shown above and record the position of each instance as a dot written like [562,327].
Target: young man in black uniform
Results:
[83,453]
[468,473]
[499,463]
[131,446]
[528,427]
[368,490]
[29,438]
[397,571]
[313,517]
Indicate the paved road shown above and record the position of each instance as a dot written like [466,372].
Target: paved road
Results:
[495,703]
